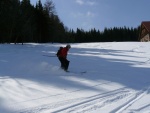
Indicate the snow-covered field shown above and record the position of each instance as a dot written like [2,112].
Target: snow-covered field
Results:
[117,78]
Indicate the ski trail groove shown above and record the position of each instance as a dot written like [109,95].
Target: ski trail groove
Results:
[82,104]
[95,102]
[135,97]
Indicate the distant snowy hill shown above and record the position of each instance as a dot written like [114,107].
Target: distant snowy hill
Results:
[117,78]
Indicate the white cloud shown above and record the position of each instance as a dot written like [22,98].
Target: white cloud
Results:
[85,2]
[91,3]
[83,15]
[80,2]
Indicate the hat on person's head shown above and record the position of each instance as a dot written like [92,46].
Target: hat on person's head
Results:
[68,46]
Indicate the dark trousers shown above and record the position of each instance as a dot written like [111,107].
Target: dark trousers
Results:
[64,63]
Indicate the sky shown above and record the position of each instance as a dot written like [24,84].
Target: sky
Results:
[100,14]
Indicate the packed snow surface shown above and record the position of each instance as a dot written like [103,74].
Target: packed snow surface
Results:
[111,77]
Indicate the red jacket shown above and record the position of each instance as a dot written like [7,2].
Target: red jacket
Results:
[64,52]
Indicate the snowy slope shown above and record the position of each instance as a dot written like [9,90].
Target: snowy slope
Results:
[117,78]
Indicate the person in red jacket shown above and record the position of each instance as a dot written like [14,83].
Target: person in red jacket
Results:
[62,56]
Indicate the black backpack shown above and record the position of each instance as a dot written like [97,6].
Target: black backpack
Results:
[59,51]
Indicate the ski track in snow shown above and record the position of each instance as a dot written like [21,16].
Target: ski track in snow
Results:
[81,104]
[131,101]
[89,104]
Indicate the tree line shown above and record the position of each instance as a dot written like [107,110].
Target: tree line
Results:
[21,22]
[108,35]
